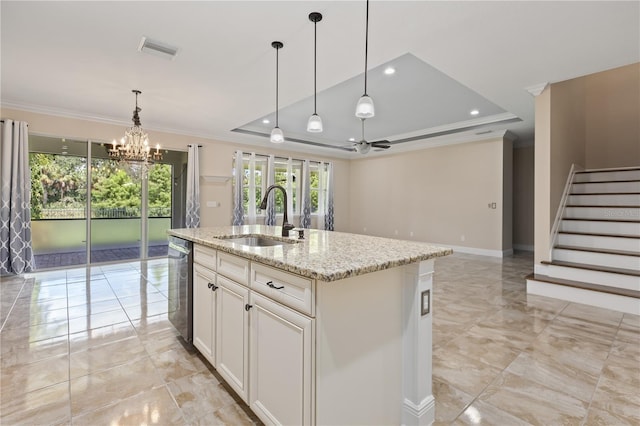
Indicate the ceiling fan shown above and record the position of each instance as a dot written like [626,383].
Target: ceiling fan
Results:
[363,146]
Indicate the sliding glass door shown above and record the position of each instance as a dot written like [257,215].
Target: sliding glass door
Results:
[130,211]
[58,201]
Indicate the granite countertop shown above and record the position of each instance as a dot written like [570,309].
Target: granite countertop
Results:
[322,255]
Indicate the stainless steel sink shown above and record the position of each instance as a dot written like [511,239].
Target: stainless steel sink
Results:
[256,241]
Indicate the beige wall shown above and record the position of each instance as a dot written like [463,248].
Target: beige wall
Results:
[612,118]
[542,175]
[507,195]
[438,195]
[215,159]
[523,196]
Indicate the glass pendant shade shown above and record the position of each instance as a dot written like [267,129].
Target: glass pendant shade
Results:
[314,125]
[365,108]
[276,135]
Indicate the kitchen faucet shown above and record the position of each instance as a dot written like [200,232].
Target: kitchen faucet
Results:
[286,226]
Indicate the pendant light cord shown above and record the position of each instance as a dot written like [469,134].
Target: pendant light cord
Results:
[315,59]
[277,72]
[366,48]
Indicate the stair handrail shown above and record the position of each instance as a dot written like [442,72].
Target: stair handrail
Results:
[553,237]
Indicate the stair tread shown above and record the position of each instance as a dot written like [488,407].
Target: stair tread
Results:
[585,286]
[598,268]
[601,220]
[595,234]
[598,250]
[621,169]
[604,193]
[605,206]
[608,181]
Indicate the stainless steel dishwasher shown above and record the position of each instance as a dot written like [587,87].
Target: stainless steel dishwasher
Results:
[181,287]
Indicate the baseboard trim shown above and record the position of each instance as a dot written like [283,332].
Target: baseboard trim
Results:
[523,247]
[421,414]
[478,251]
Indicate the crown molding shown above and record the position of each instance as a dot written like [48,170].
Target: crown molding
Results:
[536,89]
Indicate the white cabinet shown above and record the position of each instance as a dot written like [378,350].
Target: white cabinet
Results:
[262,348]
[232,335]
[204,311]
[281,363]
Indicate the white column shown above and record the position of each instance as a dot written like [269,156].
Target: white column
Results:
[418,405]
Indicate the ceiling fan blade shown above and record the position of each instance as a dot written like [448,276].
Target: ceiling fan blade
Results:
[381,144]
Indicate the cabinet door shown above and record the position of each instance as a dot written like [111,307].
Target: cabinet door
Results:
[232,335]
[204,310]
[281,363]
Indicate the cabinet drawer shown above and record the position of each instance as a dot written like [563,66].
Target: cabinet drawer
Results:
[205,256]
[291,290]
[234,267]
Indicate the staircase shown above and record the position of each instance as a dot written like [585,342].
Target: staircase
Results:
[596,242]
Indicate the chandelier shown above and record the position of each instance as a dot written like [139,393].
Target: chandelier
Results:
[134,146]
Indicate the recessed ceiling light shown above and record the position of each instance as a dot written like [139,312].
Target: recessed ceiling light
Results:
[474,112]
[389,70]
[266,121]
[352,139]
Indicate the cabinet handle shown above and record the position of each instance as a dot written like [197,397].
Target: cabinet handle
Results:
[212,286]
[247,307]
[270,284]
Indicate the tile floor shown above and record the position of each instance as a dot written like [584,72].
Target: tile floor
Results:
[94,346]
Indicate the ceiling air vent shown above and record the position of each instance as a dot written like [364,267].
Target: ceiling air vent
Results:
[157,48]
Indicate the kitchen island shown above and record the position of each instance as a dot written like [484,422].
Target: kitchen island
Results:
[334,328]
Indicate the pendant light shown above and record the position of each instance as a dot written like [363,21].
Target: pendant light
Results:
[365,108]
[276,134]
[314,125]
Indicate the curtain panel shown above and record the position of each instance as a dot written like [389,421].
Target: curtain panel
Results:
[305,217]
[328,207]
[238,174]
[193,188]
[270,218]
[16,254]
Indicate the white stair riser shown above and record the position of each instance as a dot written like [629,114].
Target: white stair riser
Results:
[628,282]
[609,213]
[614,302]
[597,259]
[586,188]
[592,241]
[607,176]
[604,200]
[595,227]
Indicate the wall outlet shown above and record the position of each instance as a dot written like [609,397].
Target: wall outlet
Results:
[213,204]
[395,232]
[411,234]
[461,237]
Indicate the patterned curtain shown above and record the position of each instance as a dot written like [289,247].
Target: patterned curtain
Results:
[322,176]
[289,188]
[328,216]
[251,213]
[238,174]
[193,188]
[305,217]
[271,178]
[16,254]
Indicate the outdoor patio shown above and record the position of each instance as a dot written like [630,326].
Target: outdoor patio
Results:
[58,260]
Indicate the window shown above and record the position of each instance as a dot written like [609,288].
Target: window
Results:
[288,174]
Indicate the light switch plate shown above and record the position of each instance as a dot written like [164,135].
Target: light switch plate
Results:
[425,302]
